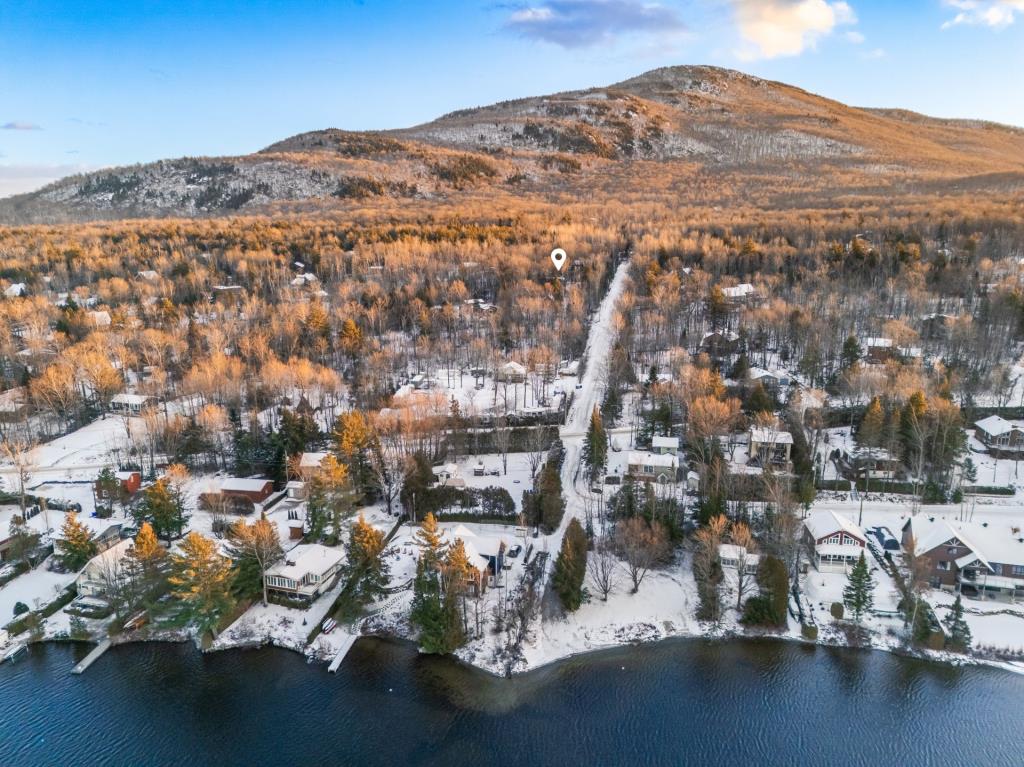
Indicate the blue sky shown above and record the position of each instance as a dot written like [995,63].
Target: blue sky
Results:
[91,84]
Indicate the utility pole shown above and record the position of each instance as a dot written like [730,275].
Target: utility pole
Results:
[860,515]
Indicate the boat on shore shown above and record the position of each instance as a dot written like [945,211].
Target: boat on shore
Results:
[13,652]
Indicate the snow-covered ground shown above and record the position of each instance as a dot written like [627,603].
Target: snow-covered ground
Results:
[286,627]
[36,588]
[994,625]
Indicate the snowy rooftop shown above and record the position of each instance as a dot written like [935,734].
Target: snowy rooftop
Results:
[669,442]
[739,291]
[770,436]
[726,334]
[995,425]
[643,458]
[239,485]
[822,523]
[124,398]
[734,552]
[756,373]
[95,525]
[307,558]
[311,460]
[996,542]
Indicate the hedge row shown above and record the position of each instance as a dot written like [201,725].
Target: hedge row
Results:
[989,490]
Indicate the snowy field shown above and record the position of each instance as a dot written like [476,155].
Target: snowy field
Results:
[36,588]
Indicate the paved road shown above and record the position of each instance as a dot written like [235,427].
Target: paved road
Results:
[599,345]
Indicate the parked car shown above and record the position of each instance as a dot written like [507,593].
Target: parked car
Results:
[515,551]
[888,541]
[7,571]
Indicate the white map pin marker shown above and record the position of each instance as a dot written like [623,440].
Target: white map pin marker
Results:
[558,258]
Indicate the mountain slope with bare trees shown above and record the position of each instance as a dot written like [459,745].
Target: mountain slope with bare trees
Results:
[699,134]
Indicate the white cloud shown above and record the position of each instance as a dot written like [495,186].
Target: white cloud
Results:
[855,37]
[582,23]
[874,53]
[986,13]
[19,125]
[772,28]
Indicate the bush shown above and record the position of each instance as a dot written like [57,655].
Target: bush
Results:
[770,607]
[989,489]
[837,610]
[840,485]
[807,631]
[20,608]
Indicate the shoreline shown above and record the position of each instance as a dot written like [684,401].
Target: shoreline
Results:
[941,659]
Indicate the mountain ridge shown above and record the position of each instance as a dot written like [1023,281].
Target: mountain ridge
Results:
[683,120]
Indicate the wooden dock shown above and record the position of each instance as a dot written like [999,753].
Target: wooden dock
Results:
[346,645]
[92,657]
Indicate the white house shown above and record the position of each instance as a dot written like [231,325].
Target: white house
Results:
[132,404]
[309,464]
[771,380]
[730,556]
[93,580]
[1004,439]
[652,467]
[770,446]
[512,372]
[742,293]
[835,542]
[306,572]
[15,290]
[665,445]
[447,475]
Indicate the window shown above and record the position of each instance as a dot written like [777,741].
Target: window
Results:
[1017,571]
[648,469]
[942,566]
[833,539]
[952,551]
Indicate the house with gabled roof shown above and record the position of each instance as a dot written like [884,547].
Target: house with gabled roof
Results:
[833,541]
[1003,438]
[982,560]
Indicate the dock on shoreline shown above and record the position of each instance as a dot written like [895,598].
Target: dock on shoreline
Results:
[92,657]
[346,645]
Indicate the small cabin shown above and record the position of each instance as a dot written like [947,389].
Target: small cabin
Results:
[130,404]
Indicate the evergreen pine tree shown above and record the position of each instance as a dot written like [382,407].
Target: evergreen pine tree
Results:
[851,352]
[365,560]
[76,545]
[549,498]
[858,596]
[595,446]
[160,509]
[759,401]
[430,540]
[872,425]
[146,562]
[958,632]
[571,567]
[201,578]
[108,488]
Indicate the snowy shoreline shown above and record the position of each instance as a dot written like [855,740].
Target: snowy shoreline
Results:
[726,635]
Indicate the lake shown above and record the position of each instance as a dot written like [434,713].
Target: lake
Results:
[679,702]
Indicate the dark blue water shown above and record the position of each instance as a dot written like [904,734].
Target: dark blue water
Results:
[674,703]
